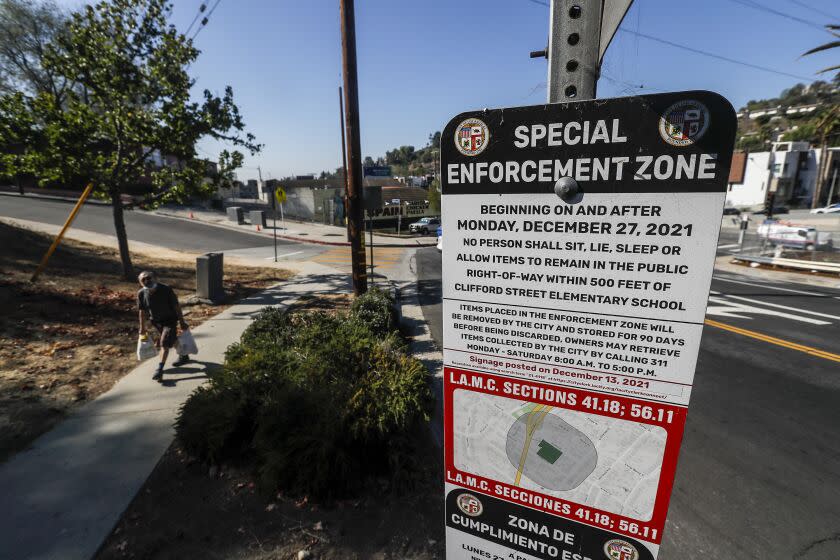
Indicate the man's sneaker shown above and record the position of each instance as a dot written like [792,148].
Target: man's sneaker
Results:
[158,374]
[181,360]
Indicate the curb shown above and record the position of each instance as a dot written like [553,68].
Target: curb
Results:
[291,237]
[54,197]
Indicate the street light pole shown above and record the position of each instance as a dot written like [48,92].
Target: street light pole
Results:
[355,216]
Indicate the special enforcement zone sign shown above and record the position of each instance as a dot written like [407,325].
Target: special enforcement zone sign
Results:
[572,325]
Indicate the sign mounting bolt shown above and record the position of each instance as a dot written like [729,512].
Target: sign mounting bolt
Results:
[566,188]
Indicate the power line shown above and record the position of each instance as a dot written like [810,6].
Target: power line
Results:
[713,55]
[756,6]
[702,52]
[815,10]
[205,19]
[201,9]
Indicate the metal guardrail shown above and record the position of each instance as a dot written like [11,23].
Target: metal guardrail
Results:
[791,263]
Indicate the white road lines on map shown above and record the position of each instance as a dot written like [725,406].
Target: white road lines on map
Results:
[721,305]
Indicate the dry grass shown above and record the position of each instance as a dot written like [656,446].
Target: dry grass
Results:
[71,335]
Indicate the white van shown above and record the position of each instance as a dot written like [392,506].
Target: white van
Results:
[794,236]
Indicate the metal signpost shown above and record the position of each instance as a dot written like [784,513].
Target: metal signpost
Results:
[280,195]
[581,240]
[278,198]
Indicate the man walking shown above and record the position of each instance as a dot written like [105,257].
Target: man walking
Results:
[159,303]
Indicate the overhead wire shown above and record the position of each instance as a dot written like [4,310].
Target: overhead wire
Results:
[700,51]
[815,10]
[756,6]
[713,55]
[205,19]
[200,11]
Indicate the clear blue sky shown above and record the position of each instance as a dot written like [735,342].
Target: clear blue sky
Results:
[422,62]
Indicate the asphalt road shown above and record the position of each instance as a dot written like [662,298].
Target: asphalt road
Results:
[180,235]
[759,471]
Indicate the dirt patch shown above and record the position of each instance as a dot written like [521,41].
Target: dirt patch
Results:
[68,337]
[189,510]
[330,303]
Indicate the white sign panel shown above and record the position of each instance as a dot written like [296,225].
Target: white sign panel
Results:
[572,324]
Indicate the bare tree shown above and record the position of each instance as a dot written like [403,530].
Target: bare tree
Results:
[26,28]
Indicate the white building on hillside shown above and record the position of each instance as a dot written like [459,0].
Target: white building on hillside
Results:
[791,168]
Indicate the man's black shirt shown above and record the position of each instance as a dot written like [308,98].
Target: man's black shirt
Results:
[160,303]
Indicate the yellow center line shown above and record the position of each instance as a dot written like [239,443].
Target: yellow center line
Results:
[777,341]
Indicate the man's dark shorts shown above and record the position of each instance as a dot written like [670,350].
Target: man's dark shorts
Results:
[168,333]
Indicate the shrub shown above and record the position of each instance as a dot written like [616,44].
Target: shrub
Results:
[215,424]
[319,401]
[376,310]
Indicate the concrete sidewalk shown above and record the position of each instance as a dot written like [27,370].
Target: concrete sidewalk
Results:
[306,232]
[63,496]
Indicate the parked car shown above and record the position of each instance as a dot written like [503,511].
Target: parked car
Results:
[776,210]
[830,209]
[440,239]
[424,225]
[731,211]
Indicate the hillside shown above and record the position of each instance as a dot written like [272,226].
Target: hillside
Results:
[791,116]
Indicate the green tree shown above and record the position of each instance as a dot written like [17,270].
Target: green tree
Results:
[400,156]
[434,196]
[225,175]
[834,30]
[805,133]
[131,104]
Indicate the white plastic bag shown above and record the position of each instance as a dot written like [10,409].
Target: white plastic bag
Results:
[186,343]
[145,348]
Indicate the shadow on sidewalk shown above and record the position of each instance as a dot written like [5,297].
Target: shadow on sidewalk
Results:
[194,369]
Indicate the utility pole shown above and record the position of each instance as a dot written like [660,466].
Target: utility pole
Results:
[578,36]
[824,125]
[355,215]
[831,191]
[574,34]
[273,212]
[343,155]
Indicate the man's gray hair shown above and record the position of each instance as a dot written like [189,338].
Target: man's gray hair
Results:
[145,274]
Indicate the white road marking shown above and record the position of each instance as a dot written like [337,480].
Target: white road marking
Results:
[286,255]
[775,288]
[776,305]
[732,246]
[732,309]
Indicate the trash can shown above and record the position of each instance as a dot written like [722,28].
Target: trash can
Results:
[209,271]
[257,218]
[236,214]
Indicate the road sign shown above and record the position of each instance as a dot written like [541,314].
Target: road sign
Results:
[377,171]
[572,319]
[280,195]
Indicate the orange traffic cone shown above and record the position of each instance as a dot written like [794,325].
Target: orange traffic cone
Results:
[191,216]
[258,227]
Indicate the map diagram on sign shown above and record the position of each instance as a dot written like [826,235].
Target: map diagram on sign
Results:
[601,462]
